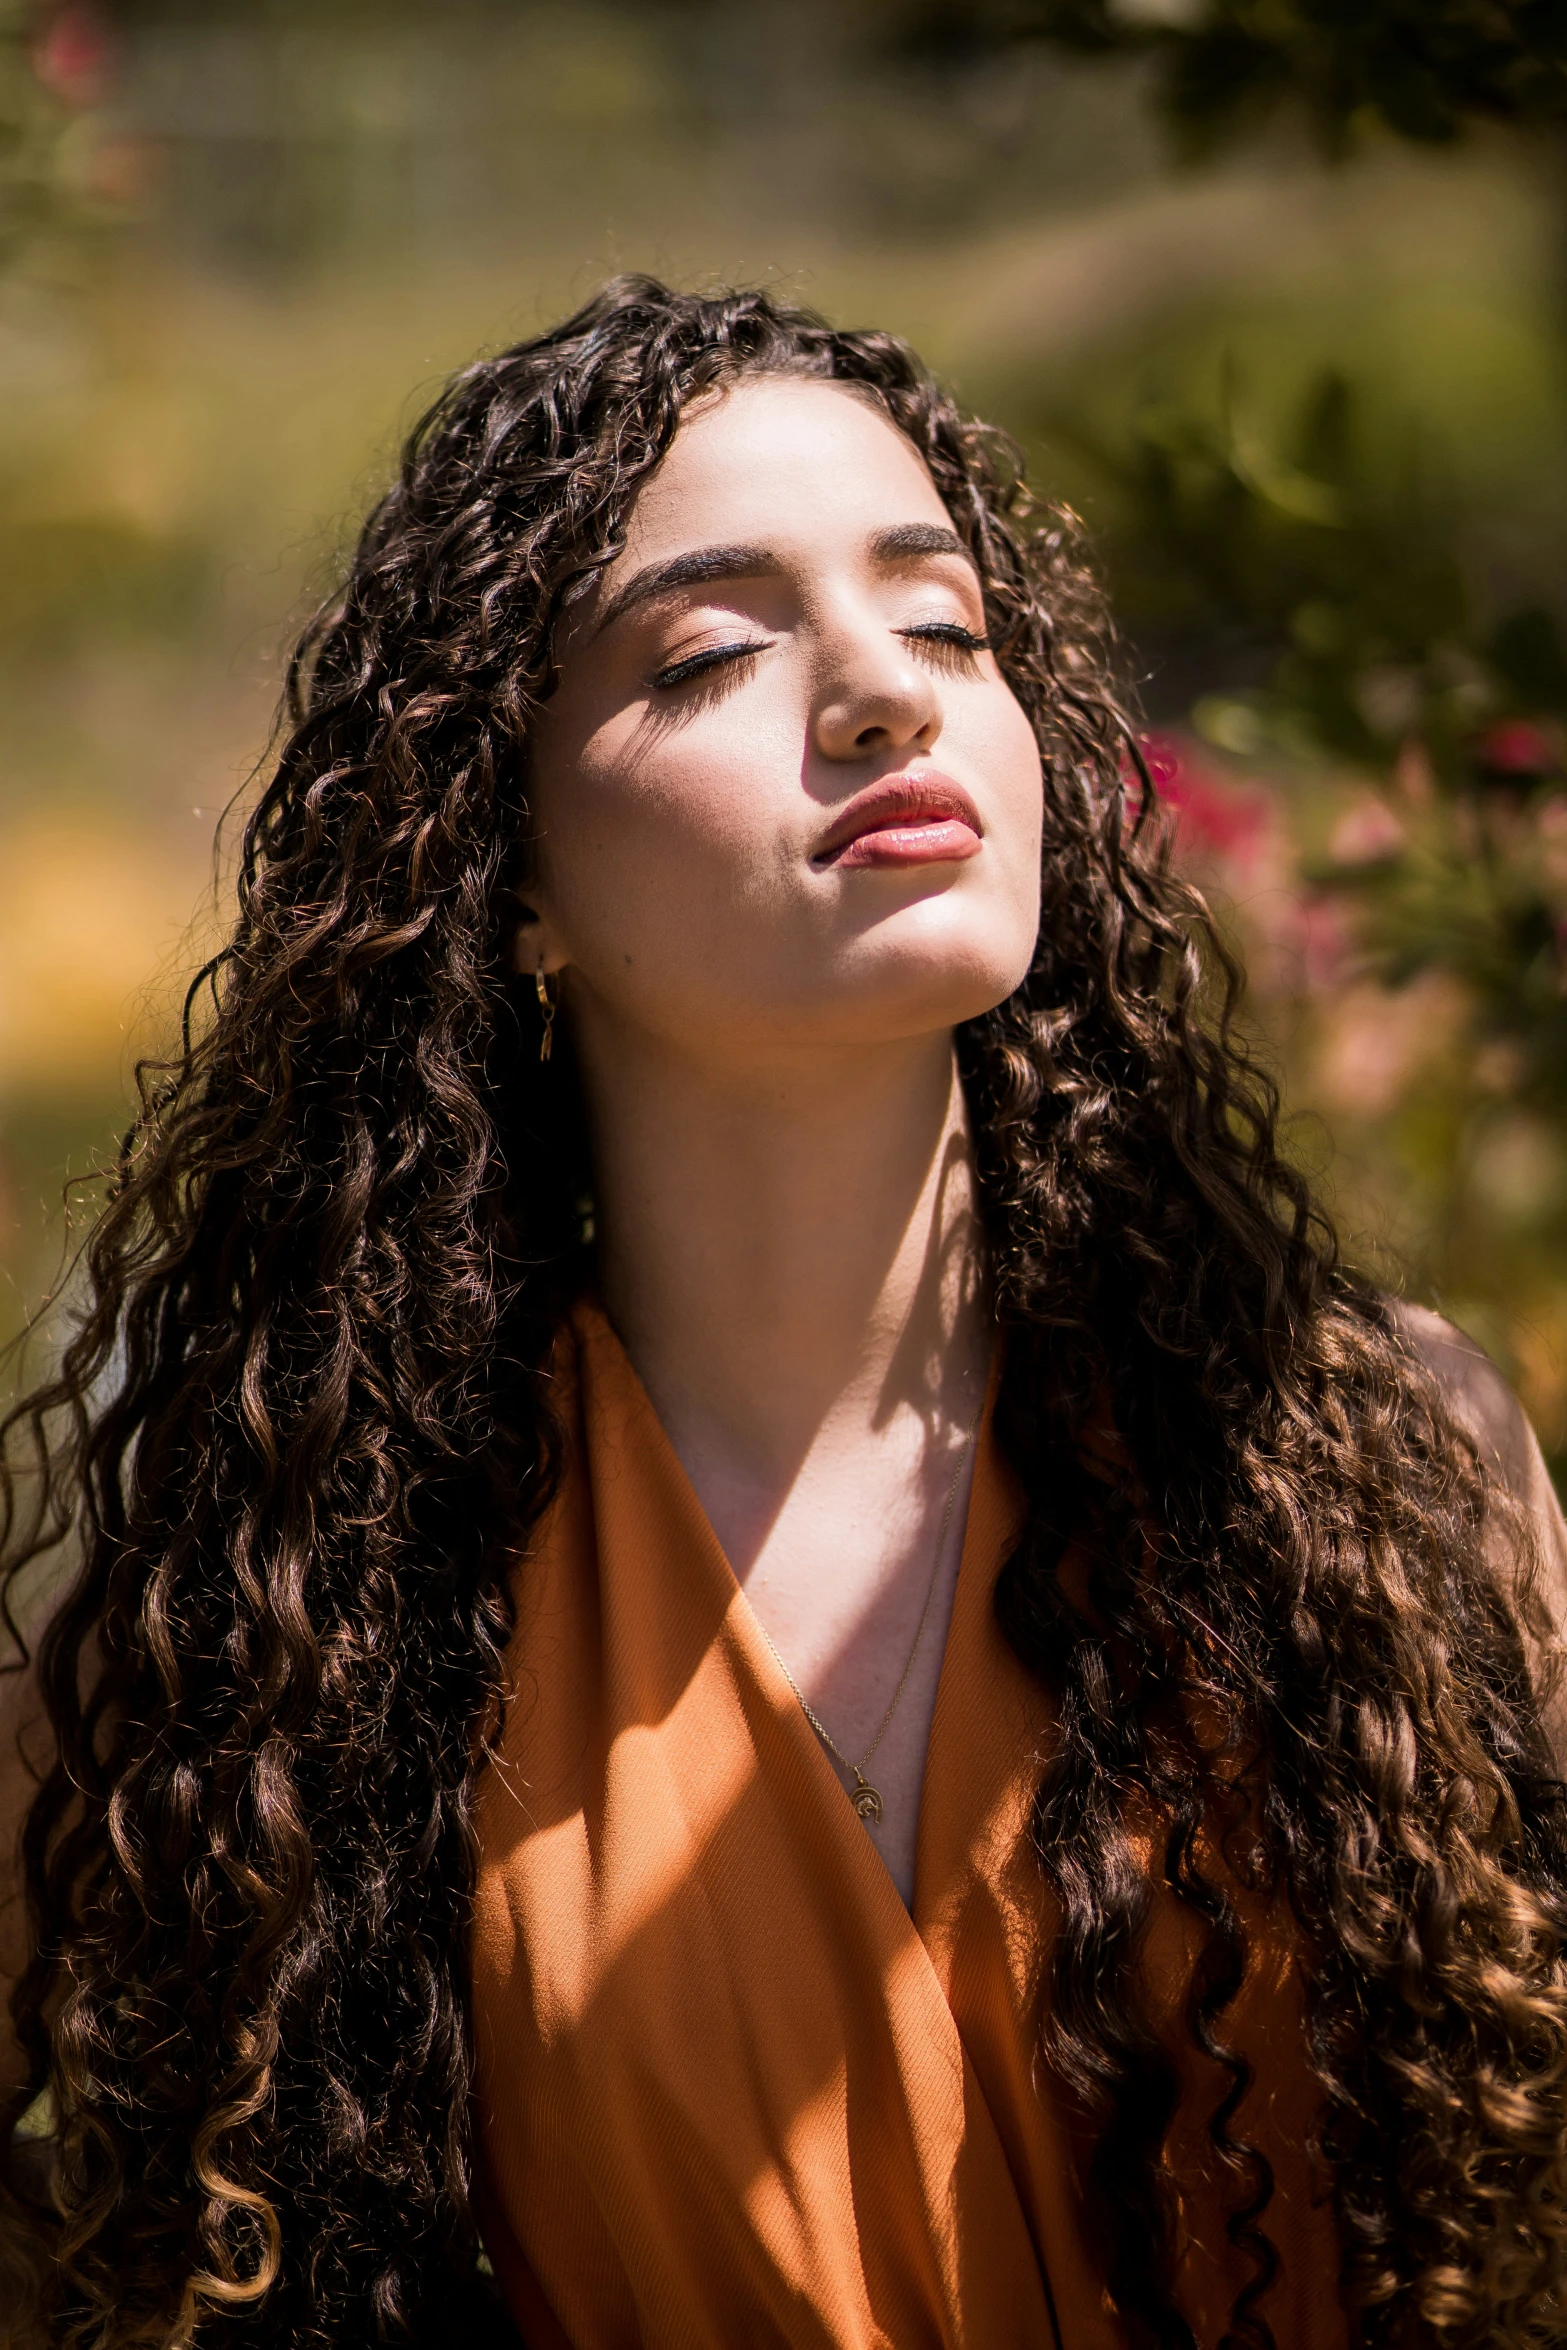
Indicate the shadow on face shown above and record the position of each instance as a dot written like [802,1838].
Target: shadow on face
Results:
[784,799]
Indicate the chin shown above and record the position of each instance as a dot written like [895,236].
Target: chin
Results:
[919,995]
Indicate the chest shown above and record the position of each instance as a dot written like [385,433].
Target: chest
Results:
[728,2087]
[850,1576]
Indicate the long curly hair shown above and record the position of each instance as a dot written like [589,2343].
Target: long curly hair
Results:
[302,1429]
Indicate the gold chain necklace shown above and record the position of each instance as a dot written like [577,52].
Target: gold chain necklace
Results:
[865,1798]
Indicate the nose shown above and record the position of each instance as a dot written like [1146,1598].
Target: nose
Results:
[875,696]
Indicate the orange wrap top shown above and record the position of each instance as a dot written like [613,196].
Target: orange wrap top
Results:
[729,2090]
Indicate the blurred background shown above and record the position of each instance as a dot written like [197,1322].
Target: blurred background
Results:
[1274,294]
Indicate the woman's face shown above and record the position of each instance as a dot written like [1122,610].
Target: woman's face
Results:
[782,797]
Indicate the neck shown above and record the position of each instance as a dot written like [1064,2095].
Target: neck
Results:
[787,1249]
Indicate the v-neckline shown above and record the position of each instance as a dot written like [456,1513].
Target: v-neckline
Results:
[743,1627]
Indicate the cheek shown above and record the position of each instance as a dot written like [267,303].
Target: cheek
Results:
[646,830]
[1006,753]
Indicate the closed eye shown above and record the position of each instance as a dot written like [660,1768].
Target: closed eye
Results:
[948,634]
[711,657]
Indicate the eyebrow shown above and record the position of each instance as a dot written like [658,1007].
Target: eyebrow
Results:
[703,564]
[918,538]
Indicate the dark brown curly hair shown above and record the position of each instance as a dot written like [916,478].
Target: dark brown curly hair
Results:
[302,1429]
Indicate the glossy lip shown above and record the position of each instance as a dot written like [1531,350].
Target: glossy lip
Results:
[903,820]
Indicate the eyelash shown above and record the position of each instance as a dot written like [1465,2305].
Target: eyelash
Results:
[949,634]
[696,664]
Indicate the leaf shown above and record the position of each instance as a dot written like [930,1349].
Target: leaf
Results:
[1528,654]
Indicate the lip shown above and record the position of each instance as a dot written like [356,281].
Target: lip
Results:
[903,820]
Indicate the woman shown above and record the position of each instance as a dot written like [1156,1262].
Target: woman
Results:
[759,1619]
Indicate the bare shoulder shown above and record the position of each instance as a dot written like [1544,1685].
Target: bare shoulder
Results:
[1480,1399]
[1476,1393]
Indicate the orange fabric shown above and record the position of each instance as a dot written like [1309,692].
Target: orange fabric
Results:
[729,2091]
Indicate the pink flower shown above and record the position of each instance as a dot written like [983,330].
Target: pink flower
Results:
[1209,812]
[1517,746]
[1365,834]
[1327,943]
[72,53]
[1374,1041]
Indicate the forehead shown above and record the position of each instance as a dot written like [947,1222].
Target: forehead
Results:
[782,462]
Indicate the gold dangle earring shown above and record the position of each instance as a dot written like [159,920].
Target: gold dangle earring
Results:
[547,1007]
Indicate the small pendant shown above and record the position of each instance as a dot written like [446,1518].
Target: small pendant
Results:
[865,1799]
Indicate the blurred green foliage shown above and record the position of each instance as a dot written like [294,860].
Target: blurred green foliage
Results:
[56,57]
[31,121]
[1423,68]
[1313,547]
[1407,739]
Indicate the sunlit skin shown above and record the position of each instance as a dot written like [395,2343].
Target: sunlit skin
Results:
[787,819]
